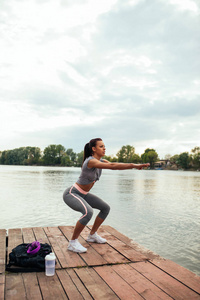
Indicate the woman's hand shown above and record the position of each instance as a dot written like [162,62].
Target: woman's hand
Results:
[140,166]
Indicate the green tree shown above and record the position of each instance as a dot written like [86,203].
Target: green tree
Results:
[72,155]
[136,159]
[53,154]
[10,158]
[126,154]
[33,156]
[79,159]
[149,156]
[16,156]
[110,158]
[196,157]
[60,152]
[65,160]
[3,157]
[174,159]
[50,154]
[184,160]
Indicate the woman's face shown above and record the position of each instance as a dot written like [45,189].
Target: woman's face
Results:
[99,149]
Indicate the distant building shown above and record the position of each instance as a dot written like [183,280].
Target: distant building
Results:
[165,164]
[161,163]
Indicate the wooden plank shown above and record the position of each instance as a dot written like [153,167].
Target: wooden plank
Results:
[14,239]
[91,257]
[28,235]
[141,284]
[106,251]
[51,288]
[122,247]
[109,254]
[148,253]
[59,243]
[185,276]
[68,285]
[40,235]
[95,284]
[2,286]
[67,231]
[123,290]
[168,284]
[15,289]
[31,286]
[2,250]
[79,285]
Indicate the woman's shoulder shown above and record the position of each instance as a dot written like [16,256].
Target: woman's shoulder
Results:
[88,159]
[85,164]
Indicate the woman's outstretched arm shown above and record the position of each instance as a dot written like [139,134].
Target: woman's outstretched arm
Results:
[95,163]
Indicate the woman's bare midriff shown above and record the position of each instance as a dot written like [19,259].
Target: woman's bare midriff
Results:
[86,187]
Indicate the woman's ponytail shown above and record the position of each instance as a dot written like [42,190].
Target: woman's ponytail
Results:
[88,148]
[87,151]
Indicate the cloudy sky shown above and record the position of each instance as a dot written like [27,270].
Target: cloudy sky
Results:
[124,70]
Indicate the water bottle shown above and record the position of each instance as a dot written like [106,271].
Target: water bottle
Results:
[50,261]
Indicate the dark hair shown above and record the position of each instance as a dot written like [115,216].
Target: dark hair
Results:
[88,148]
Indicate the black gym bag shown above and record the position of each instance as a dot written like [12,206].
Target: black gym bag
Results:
[28,257]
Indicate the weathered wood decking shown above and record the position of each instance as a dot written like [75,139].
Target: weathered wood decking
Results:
[120,269]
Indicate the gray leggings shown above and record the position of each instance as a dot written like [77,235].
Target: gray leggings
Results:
[85,204]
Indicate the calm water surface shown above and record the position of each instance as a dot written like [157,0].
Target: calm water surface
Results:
[157,209]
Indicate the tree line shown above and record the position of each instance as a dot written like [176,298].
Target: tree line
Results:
[51,156]
[58,155]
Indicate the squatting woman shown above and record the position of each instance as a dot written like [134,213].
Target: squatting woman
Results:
[79,198]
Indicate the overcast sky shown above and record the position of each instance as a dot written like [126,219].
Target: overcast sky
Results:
[127,71]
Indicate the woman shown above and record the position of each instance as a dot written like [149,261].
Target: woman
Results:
[78,197]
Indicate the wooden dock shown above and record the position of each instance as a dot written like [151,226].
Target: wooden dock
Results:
[120,269]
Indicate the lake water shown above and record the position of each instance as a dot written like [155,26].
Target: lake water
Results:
[158,209]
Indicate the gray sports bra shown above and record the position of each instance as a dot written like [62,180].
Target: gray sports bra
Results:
[89,175]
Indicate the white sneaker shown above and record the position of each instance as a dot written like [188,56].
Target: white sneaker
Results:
[95,238]
[75,246]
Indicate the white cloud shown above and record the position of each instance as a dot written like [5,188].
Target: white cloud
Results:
[28,121]
[122,58]
[186,5]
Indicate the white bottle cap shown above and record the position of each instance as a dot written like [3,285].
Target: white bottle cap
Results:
[50,256]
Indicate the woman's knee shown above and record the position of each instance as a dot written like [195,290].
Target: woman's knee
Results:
[107,209]
[89,214]
[87,217]
[104,211]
